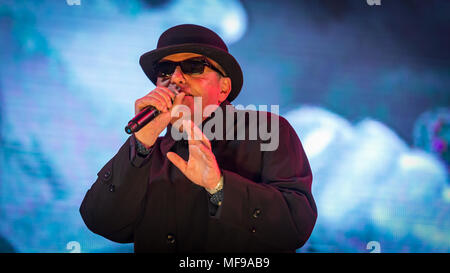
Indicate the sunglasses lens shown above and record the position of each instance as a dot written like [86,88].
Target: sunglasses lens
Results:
[192,67]
[165,68]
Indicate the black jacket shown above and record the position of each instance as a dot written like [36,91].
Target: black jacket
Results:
[267,205]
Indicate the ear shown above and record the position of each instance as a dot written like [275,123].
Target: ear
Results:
[225,88]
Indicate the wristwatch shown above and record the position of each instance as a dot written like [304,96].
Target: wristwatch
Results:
[218,187]
[217,198]
[216,194]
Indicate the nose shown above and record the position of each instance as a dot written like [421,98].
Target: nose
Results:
[178,76]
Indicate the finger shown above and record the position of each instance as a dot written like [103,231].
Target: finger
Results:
[187,127]
[177,161]
[168,91]
[178,110]
[171,93]
[145,102]
[179,98]
[160,98]
[165,102]
[162,94]
[149,101]
[195,135]
[201,151]
[200,136]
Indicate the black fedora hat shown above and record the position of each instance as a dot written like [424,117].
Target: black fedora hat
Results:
[194,39]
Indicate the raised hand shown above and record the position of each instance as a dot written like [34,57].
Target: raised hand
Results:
[201,167]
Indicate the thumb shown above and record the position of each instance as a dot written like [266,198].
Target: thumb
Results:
[178,98]
[177,106]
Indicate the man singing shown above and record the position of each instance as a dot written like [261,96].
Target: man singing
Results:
[216,192]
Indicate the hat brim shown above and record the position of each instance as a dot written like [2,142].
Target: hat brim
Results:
[227,61]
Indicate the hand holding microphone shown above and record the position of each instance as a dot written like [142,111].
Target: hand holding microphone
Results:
[153,113]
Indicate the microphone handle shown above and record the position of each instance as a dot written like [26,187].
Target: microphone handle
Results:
[141,119]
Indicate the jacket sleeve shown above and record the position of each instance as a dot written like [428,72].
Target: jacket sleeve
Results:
[114,203]
[279,210]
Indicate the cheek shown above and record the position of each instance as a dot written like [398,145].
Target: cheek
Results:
[211,95]
[208,90]
[208,100]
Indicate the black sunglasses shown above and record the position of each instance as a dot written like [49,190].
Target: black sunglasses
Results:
[193,66]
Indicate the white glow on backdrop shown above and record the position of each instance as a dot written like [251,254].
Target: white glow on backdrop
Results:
[317,141]
[368,182]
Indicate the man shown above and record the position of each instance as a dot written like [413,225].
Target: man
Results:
[222,194]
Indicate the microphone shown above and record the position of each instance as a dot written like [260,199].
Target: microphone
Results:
[141,119]
[146,115]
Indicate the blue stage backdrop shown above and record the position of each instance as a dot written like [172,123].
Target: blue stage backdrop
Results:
[366,87]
